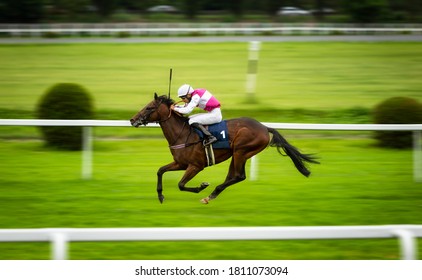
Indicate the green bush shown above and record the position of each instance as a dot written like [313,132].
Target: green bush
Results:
[397,110]
[65,101]
[50,35]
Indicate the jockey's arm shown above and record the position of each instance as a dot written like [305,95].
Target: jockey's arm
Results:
[189,107]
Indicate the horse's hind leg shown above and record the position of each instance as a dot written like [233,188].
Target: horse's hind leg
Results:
[236,174]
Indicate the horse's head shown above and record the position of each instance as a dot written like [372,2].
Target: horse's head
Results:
[155,111]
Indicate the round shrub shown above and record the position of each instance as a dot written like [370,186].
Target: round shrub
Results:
[397,110]
[65,101]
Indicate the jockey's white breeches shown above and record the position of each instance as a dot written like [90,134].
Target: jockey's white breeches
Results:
[211,117]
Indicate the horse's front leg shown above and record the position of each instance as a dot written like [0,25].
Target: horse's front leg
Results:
[169,167]
[191,172]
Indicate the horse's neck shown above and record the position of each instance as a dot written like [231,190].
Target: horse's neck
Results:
[173,129]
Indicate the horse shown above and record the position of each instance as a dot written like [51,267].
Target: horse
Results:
[247,137]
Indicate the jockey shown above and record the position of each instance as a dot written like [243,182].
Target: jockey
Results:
[203,99]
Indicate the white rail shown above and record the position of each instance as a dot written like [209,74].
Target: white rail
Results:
[60,237]
[88,124]
[205,29]
[293,126]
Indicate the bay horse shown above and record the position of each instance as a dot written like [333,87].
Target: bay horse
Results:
[247,137]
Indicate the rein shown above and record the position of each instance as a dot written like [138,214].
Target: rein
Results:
[170,112]
[179,146]
[184,145]
[168,117]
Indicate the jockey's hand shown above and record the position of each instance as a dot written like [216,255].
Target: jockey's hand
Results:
[172,107]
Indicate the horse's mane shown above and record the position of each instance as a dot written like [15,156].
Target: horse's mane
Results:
[168,101]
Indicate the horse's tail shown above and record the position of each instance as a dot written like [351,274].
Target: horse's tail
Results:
[297,157]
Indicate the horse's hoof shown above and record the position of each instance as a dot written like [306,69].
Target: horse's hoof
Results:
[204,185]
[205,200]
[161,198]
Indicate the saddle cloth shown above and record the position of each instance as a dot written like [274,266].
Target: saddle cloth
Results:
[219,130]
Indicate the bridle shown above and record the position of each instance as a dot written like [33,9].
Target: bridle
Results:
[152,109]
[155,108]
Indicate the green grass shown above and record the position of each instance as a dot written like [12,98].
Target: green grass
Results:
[356,184]
[317,76]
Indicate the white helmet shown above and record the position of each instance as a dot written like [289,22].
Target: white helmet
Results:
[184,90]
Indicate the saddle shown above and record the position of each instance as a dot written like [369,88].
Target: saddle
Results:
[219,130]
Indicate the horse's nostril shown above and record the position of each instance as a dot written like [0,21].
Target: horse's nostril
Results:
[134,122]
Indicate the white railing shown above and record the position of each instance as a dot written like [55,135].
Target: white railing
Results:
[142,29]
[60,237]
[88,124]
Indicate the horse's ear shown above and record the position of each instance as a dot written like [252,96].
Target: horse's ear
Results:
[155,96]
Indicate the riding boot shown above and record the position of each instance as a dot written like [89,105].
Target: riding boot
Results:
[209,138]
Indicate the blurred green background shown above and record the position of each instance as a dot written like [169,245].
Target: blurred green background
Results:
[312,75]
[357,183]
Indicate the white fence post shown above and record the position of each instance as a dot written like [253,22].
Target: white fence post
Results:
[86,152]
[254,168]
[254,47]
[58,246]
[408,244]
[417,156]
